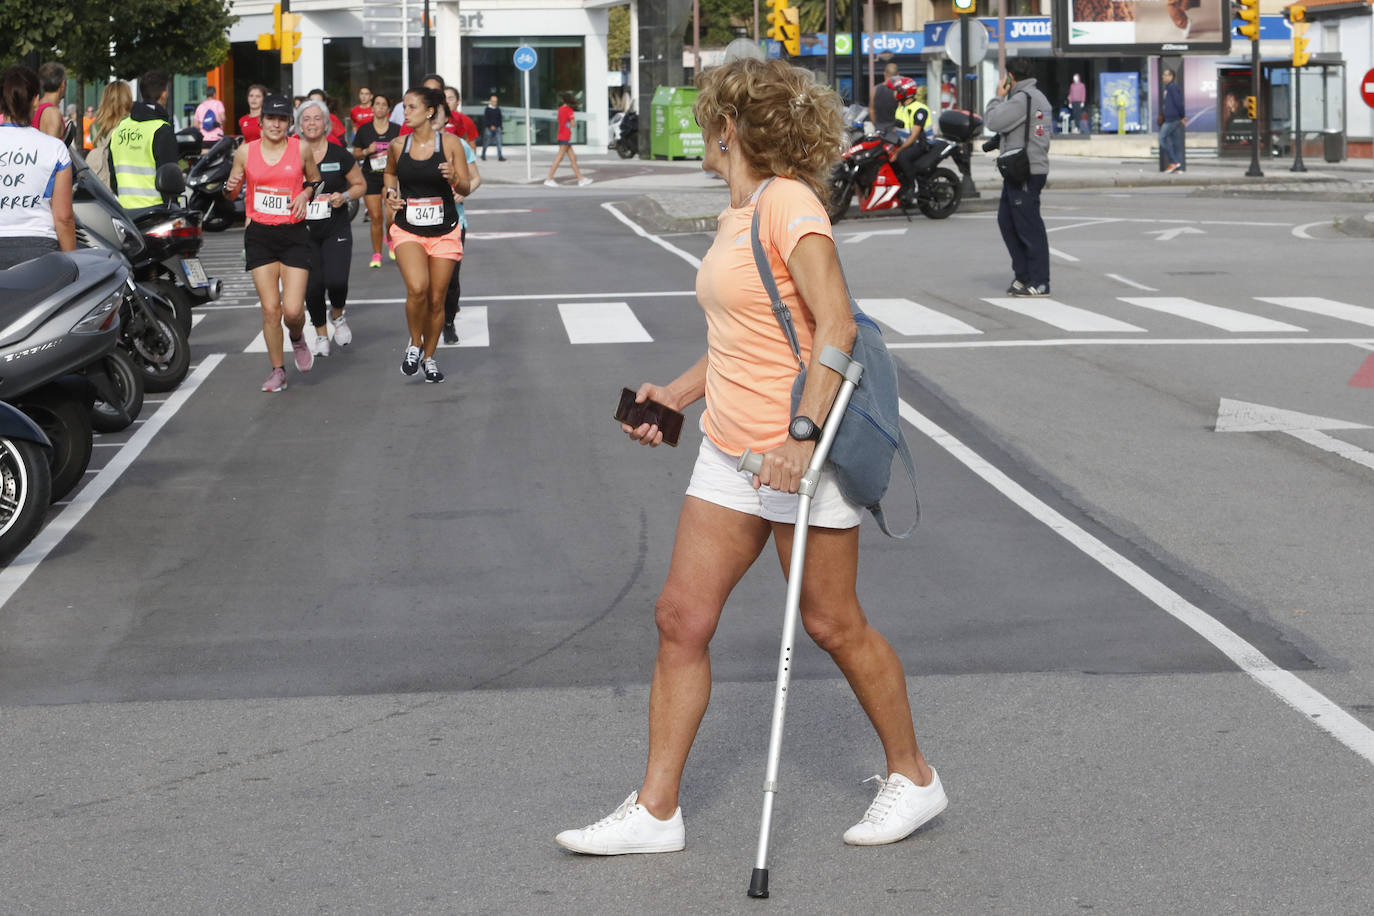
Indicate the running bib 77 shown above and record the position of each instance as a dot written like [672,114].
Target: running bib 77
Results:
[272,201]
[379,163]
[425,211]
[318,209]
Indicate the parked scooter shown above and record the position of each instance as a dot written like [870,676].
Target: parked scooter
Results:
[59,319]
[25,480]
[624,130]
[189,144]
[206,183]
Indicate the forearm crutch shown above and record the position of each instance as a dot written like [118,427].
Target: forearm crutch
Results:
[834,358]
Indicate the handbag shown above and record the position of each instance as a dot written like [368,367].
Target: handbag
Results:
[870,433]
[1014,164]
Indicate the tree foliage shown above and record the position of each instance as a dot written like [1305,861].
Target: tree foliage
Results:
[175,36]
[618,36]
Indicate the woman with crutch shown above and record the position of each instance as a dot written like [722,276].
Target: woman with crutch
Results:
[773,134]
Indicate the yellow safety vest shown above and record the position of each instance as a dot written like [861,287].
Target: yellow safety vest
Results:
[135,169]
[906,115]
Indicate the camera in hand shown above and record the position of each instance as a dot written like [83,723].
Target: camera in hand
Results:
[994,143]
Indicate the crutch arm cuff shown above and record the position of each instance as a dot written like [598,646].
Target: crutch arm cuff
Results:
[834,358]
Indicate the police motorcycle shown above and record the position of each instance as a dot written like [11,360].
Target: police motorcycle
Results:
[205,182]
[159,245]
[59,321]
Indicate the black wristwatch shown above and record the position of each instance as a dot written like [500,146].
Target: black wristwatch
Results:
[804,429]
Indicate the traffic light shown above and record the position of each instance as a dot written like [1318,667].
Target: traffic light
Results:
[1248,12]
[271,41]
[777,19]
[290,37]
[791,31]
[965,7]
[1252,107]
[1297,19]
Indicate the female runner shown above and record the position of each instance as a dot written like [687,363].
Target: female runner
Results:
[326,219]
[250,125]
[276,245]
[370,149]
[423,172]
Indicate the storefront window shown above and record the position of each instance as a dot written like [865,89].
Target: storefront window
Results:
[489,69]
[348,66]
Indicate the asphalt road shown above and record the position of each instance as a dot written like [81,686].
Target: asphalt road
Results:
[365,645]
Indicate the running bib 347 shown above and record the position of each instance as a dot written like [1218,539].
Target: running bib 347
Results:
[425,211]
[272,201]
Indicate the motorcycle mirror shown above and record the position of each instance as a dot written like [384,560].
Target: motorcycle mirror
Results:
[169,181]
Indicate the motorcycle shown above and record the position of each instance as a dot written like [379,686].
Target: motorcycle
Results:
[60,319]
[189,144]
[624,130]
[868,168]
[159,245]
[206,180]
[25,480]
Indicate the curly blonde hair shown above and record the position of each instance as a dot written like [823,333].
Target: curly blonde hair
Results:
[115,104]
[786,123]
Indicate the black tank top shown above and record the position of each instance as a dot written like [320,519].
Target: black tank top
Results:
[334,169]
[427,208]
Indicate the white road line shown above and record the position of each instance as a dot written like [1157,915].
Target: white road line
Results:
[197,319]
[543,297]
[913,319]
[1288,687]
[1122,342]
[1121,279]
[1359,314]
[1089,222]
[1064,317]
[601,322]
[1213,315]
[642,233]
[1301,231]
[1063,256]
[471,325]
[21,567]
[259,343]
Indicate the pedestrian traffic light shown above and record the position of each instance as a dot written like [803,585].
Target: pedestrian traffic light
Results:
[1248,12]
[777,19]
[1297,20]
[791,31]
[271,41]
[965,7]
[290,37]
[1252,107]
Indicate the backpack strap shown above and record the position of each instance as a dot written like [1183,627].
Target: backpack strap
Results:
[770,284]
[877,510]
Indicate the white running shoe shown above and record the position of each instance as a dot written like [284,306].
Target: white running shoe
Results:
[550,183]
[901,807]
[321,347]
[583,182]
[628,829]
[343,334]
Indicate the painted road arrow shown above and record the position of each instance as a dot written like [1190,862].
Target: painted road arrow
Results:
[1168,234]
[861,236]
[1244,417]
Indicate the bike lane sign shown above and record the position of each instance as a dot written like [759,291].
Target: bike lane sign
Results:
[525,58]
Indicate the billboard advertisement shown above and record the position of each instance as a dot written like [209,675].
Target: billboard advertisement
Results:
[1138,28]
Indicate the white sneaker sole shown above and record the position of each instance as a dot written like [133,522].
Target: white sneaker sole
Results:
[920,822]
[571,844]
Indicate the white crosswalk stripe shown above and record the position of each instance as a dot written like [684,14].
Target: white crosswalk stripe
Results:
[1215,316]
[471,325]
[913,319]
[601,322]
[1316,305]
[1064,317]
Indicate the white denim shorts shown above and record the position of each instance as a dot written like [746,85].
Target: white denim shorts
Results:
[715,480]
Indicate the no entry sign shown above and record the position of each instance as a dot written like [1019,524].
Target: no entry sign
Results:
[1367,88]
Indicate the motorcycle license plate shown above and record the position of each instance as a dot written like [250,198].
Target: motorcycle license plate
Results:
[425,211]
[195,273]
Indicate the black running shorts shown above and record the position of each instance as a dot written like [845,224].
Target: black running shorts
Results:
[288,244]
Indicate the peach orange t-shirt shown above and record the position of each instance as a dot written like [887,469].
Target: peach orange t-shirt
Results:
[750,368]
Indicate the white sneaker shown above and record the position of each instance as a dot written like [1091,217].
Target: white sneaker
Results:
[901,807]
[343,334]
[321,347]
[583,182]
[629,828]
[550,183]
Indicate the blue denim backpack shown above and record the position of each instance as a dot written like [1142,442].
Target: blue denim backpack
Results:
[870,433]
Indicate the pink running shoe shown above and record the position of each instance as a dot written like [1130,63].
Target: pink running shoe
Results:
[305,360]
[276,381]
[376,261]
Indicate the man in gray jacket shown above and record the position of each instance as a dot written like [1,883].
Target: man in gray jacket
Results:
[1018,215]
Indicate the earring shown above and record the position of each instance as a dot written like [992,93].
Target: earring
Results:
[723,147]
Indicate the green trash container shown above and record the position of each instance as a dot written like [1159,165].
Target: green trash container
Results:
[675,133]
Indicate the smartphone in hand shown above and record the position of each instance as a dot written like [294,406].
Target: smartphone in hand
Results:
[668,421]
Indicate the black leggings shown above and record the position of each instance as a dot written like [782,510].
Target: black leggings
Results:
[330,259]
[455,285]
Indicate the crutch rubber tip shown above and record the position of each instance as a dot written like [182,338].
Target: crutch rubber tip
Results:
[758,883]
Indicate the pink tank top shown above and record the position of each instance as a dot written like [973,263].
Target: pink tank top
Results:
[38,113]
[271,188]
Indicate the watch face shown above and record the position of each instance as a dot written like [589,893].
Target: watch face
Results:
[802,429]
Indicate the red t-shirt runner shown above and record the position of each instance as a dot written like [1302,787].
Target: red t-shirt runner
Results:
[360,115]
[250,128]
[565,120]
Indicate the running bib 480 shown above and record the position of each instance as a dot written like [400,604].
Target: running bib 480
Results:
[272,202]
[425,211]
